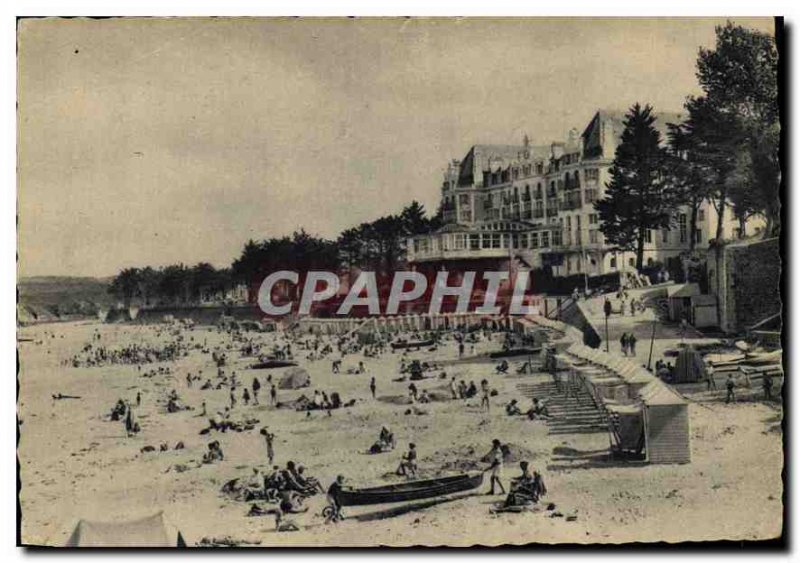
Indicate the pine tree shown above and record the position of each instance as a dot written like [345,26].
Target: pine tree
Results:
[637,198]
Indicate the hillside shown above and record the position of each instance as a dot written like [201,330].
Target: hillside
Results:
[49,298]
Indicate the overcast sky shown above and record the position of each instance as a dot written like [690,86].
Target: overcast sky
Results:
[149,142]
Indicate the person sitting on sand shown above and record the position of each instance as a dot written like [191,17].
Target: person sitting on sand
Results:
[214,453]
[291,503]
[408,463]
[526,489]
[538,410]
[274,479]
[424,398]
[309,483]
[291,483]
[512,409]
[384,443]
[472,390]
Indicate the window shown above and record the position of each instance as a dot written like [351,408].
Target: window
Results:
[474,242]
[648,236]
[523,240]
[613,263]
[665,235]
[545,239]
[495,240]
[591,175]
[631,262]
[593,219]
[650,261]
[698,235]
[682,226]
[534,240]
[701,215]
[593,238]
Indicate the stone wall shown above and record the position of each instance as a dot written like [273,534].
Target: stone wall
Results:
[753,279]
[750,289]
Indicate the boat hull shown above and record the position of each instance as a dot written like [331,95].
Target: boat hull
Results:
[412,490]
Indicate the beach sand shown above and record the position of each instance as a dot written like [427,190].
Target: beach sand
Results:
[75,463]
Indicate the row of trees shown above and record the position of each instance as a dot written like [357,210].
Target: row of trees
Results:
[725,151]
[378,245]
[176,283]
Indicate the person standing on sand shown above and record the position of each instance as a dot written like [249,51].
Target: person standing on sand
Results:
[138,399]
[632,344]
[269,438]
[408,463]
[372,386]
[233,398]
[273,394]
[256,389]
[454,388]
[485,394]
[496,467]
[766,383]
[623,343]
[710,381]
[204,409]
[730,385]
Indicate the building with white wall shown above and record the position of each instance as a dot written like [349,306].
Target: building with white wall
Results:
[534,205]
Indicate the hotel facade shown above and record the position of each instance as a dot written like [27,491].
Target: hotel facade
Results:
[534,206]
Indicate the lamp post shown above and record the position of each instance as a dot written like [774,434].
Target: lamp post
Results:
[607,312]
[652,338]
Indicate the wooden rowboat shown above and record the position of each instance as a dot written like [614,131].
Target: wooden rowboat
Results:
[270,364]
[513,352]
[413,344]
[411,490]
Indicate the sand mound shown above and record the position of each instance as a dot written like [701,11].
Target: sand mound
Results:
[295,378]
[512,453]
[469,458]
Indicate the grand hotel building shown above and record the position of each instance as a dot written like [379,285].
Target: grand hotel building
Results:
[535,205]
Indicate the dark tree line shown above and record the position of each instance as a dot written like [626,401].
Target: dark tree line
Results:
[169,285]
[379,245]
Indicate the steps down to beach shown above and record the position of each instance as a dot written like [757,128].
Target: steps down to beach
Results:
[569,414]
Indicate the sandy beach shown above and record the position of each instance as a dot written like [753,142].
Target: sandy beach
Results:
[76,463]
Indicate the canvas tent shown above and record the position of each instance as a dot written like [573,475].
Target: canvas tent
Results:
[151,531]
[689,366]
[295,378]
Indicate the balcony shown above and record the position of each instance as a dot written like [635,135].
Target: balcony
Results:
[460,254]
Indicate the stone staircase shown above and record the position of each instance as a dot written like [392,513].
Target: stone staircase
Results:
[573,414]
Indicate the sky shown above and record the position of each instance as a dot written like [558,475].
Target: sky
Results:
[176,140]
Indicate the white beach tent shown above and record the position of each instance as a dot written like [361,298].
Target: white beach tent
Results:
[151,531]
